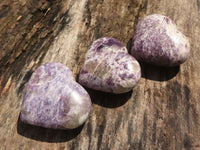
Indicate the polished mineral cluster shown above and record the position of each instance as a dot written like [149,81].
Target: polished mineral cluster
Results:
[53,99]
[108,67]
[158,41]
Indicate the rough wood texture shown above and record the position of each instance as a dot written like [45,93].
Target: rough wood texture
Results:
[162,112]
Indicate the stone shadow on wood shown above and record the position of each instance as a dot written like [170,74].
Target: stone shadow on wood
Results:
[45,134]
[109,100]
[156,73]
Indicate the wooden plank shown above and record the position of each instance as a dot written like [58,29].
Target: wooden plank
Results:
[162,112]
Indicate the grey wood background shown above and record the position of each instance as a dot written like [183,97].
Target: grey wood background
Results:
[162,112]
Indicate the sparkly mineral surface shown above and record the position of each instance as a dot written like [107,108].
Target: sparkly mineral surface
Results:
[108,67]
[158,41]
[53,99]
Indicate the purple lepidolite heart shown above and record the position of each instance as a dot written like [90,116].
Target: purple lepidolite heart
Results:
[53,99]
[157,41]
[108,67]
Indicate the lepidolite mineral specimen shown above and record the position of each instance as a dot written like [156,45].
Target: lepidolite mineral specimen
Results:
[158,41]
[53,99]
[108,67]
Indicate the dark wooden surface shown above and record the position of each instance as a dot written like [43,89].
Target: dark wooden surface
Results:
[162,112]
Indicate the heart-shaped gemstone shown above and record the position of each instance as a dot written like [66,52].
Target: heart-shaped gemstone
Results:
[108,67]
[53,99]
[158,41]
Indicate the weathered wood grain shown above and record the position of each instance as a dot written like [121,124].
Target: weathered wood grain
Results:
[162,112]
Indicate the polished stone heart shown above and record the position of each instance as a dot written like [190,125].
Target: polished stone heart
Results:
[53,99]
[158,41]
[108,67]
